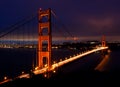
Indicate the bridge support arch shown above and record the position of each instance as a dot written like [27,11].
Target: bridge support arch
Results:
[44,38]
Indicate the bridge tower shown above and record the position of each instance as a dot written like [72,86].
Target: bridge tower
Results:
[44,38]
[103,41]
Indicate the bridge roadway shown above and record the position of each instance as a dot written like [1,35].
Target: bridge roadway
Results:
[56,65]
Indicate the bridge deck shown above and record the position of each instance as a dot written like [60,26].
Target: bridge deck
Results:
[56,65]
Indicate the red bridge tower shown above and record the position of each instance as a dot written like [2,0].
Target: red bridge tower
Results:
[44,38]
[103,41]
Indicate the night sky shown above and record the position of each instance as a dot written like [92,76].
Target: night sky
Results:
[85,19]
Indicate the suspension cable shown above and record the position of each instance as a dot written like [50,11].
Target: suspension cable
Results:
[65,28]
[16,26]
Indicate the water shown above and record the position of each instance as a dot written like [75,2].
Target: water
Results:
[112,62]
[14,61]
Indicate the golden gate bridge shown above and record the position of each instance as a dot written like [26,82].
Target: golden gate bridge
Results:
[16,34]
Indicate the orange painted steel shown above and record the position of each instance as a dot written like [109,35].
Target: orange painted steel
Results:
[103,41]
[42,38]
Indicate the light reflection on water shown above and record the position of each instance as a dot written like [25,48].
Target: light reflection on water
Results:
[103,64]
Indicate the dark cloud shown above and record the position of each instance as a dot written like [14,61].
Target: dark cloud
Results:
[82,17]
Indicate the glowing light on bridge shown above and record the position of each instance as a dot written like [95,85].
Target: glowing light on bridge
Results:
[62,62]
[55,65]
[41,68]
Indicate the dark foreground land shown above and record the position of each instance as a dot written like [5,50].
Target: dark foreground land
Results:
[74,79]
